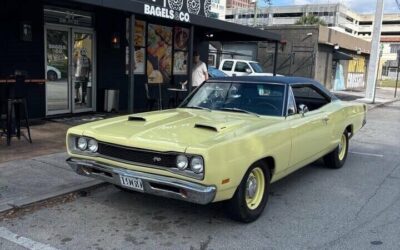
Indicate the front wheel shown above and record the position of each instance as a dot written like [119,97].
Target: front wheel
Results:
[252,194]
[337,157]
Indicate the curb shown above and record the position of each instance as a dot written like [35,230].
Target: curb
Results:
[383,103]
[43,197]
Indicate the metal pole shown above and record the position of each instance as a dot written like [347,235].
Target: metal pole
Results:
[131,87]
[275,58]
[255,14]
[190,58]
[376,80]
[374,57]
[398,69]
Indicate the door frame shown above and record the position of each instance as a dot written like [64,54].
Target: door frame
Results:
[71,104]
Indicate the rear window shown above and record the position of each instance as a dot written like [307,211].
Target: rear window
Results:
[227,65]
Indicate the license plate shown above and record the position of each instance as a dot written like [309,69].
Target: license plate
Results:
[131,182]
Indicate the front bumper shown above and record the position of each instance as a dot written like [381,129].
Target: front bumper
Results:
[152,184]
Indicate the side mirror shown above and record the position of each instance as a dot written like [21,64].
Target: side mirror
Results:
[248,71]
[303,109]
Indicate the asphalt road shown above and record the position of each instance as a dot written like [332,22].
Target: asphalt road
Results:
[356,207]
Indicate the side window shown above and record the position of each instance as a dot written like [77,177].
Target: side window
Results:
[291,108]
[242,67]
[309,96]
[227,65]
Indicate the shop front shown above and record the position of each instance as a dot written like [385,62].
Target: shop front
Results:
[79,50]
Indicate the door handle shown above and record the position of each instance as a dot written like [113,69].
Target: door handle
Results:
[325,120]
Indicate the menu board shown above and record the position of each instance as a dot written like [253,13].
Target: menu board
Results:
[180,63]
[159,54]
[140,33]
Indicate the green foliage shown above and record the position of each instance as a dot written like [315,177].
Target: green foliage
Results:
[310,20]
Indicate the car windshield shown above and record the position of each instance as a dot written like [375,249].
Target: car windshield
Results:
[251,98]
[257,67]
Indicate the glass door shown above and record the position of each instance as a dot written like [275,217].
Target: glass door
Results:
[82,76]
[70,70]
[57,70]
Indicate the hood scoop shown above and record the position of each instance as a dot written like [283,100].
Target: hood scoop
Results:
[211,127]
[136,118]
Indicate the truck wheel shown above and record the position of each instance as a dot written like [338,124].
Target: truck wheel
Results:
[251,196]
[337,157]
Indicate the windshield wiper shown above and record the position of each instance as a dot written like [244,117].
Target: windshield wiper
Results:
[240,110]
[198,107]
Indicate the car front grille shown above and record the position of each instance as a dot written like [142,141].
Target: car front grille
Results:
[137,156]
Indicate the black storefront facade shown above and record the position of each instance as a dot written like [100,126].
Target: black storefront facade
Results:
[82,48]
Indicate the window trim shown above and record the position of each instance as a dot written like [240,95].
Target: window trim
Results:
[290,96]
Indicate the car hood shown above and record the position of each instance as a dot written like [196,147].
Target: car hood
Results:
[176,129]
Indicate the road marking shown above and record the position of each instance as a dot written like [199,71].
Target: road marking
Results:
[22,241]
[367,154]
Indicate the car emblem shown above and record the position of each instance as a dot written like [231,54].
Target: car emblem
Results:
[156,159]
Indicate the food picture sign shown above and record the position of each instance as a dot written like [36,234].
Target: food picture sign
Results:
[180,10]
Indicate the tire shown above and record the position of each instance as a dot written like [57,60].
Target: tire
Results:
[51,75]
[337,157]
[247,209]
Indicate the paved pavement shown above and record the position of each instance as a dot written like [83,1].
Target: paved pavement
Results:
[356,207]
[26,181]
[383,96]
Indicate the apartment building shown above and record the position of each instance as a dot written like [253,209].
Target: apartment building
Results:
[337,17]
[234,4]
[218,8]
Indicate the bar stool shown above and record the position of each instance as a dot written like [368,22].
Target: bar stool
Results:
[16,104]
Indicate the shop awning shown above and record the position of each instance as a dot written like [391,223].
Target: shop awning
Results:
[338,55]
[223,30]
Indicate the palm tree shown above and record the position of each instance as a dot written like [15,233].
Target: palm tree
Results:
[310,19]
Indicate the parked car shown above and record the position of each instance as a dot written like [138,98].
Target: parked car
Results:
[238,67]
[226,142]
[214,72]
[53,73]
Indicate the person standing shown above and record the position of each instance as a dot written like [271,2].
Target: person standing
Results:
[82,72]
[199,72]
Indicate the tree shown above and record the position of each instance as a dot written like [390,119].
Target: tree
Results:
[310,20]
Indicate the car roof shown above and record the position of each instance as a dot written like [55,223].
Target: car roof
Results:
[287,80]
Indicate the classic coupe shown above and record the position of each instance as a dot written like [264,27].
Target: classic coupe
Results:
[227,141]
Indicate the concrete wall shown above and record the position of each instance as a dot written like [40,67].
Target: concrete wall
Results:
[323,66]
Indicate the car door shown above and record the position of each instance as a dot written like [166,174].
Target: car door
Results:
[310,133]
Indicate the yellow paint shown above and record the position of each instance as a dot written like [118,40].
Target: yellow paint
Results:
[258,175]
[357,65]
[241,139]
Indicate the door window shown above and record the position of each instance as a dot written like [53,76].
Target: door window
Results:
[57,88]
[309,96]
[291,109]
[242,67]
[227,66]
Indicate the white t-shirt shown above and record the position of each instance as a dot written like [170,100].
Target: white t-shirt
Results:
[198,74]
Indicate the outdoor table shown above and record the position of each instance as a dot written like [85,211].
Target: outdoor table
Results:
[177,91]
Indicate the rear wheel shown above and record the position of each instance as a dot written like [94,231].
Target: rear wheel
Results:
[251,196]
[51,75]
[337,157]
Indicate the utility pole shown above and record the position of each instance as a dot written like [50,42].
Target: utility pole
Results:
[398,69]
[255,13]
[374,56]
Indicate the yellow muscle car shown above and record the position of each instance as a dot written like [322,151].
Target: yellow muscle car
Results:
[227,141]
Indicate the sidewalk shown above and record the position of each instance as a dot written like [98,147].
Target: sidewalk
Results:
[383,96]
[23,182]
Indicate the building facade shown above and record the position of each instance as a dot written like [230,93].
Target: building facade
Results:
[234,4]
[336,16]
[218,8]
[74,53]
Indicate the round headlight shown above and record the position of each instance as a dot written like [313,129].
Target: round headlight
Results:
[197,165]
[182,162]
[82,143]
[93,146]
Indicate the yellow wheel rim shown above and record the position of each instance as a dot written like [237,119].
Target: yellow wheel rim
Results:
[342,147]
[255,188]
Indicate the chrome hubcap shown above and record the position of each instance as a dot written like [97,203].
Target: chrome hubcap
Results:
[251,186]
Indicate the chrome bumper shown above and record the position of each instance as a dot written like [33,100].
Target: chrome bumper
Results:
[152,184]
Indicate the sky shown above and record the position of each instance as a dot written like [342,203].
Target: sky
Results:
[361,6]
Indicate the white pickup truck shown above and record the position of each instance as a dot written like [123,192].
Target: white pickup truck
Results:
[239,67]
